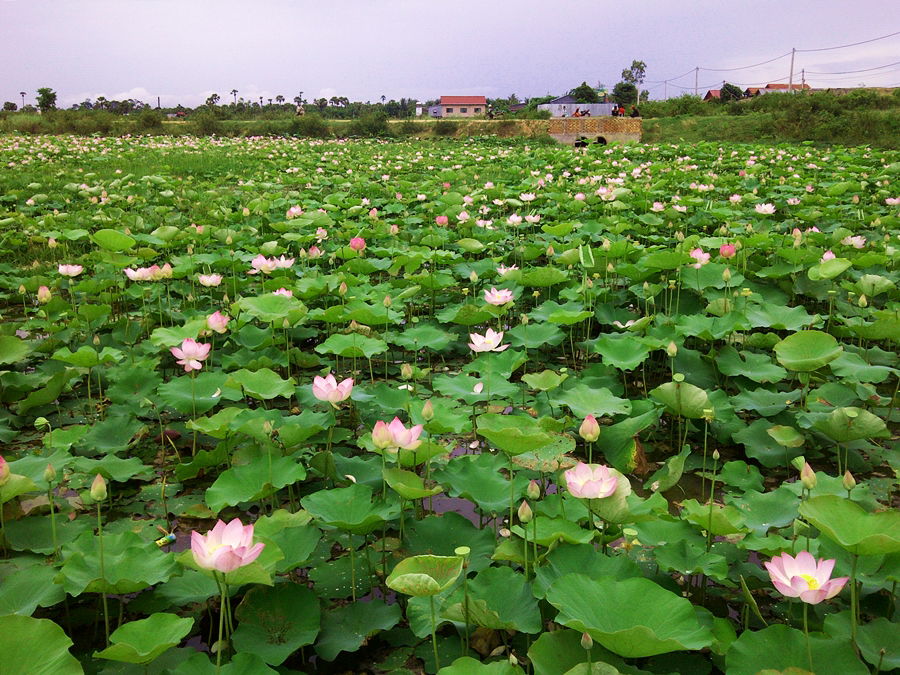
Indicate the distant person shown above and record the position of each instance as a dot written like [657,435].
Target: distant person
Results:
[586,113]
[299,111]
[635,112]
[577,112]
[615,110]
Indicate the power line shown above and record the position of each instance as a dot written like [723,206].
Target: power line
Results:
[852,44]
[850,72]
[755,65]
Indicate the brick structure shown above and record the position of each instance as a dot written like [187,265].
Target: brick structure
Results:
[569,130]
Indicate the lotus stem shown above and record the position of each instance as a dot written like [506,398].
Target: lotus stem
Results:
[437,660]
[103,575]
[806,633]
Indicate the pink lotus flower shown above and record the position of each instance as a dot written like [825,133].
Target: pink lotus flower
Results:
[262,264]
[70,270]
[527,196]
[158,273]
[793,201]
[828,255]
[396,436]
[314,252]
[579,196]
[139,274]
[514,219]
[858,241]
[285,292]
[283,263]
[463,216]
[591,481]
[804,577]
[4,471]
[765,209]
[210,280]
[327,389]
[293,212]
[892,201]
[534,220]
[358,244]
[441,220]
[727,251]
[225,548]
[701,257]
[489,342]
[735,199]
[321,234]
[503,269]
[495,297]
[44,295]
[190,354]
[218,322]
[589,429]
[373,213]
[658,206]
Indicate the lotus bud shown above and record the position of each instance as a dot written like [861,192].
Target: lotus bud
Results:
[52,243]
[716,455]
[504,532]
[550,251]
[863,301]
[533,491]
[49,473]
[473,276]
[610,268]
[808,476]
[387,302]
[587,641]
[229,240]
[589,429]
[96,340]
[41,422]
[406,371]
[22,289]
[525,513]
[246,211]
[672,350]
[98,489]
[428,411]
[606,245]
[4,472]
[44,295]
[342,289]
[726,275]
[524,319]
[381,435]
[679,236]
[849,481]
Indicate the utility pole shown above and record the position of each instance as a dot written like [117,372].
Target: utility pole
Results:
[803,79]
[665,90]
[791,76]
[696,75]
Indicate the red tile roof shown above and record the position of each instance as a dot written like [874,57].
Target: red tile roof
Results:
[713,93]
[463,100]
[781,85]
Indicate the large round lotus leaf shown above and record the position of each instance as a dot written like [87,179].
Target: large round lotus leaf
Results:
[35,646]
[350,508]
[584,400]
[352,344]
[498,598]
[807,350]
[424,574]
[855,529]
[269,308]
[112,240]
[466,665]
[513,434]
[631,617]
[12,349]
[263,384]
[682,398]
[843,425]
[409,485]
[559,651]
[276,621]
[144,640]
[780,648]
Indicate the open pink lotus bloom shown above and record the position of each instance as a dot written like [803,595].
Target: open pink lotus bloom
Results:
[489,342]
[283,263]
[139,274]
[210,280]
[701,257]
[828,255]
[358,244]
[765,209]
[727,250]
[190,354]
[314,252]
[804,577]
[262,264]
[327,389]
[858,241]
[218,322]
[591,481]
[495,297]
[225,547]
[395,435]
[70,270]
[293,212]
[285,292]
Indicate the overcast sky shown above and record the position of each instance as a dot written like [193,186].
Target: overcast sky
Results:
[183,50]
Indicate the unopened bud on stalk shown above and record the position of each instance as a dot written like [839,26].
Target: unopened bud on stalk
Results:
[49,473]
[808,476]
[587,641]
[387,302]
[22,289]
[98,489]
[672,350]
[342,289]
[428,411]
[726,275]
[863,301]
[589,429]
[473,276]
[525,513]
[406,371]
[849,481]
[716,455]
[551,251]
[4,472]
[533,491]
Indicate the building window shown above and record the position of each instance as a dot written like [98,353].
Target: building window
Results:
[477,110]
[449,110]
[462,110]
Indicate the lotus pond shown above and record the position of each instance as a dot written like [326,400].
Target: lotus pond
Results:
[272,405]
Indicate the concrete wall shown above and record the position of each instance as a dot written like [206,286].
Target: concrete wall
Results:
[457,110]
[566,109]
[611,129]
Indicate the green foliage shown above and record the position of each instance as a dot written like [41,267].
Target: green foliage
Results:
[310,126]
[730,92]
[584,93]
[373,124]
[46,99]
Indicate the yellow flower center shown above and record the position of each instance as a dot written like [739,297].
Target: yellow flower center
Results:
[811,581]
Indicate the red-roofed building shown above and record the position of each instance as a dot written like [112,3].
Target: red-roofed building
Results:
[462,106]
[712,93]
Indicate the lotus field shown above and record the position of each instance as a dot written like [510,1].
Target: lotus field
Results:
[459,407]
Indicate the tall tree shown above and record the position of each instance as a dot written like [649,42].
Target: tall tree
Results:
[234,92]
[22,94]
[730,92]
[584,94]
[279,99]
[46,99]
[634,75]
[213,99]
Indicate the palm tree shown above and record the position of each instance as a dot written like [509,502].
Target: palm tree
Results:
[234,92]
[382,99]
[333,101]
[279,99]
[22,94]
[260,101]
[298,99]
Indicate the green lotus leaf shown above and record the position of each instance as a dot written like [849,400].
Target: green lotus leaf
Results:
[113,240]
[409,485]
[682,398]
[352,344]
[423,575]
[346,628]
[513,434]
[853,528]
[36,646]
[545,380]
[263,384]
[249,482]
[276,621]
[631,617]
[843,425]
[583,400]
[350,508]
[271,308]
[144,640]
[781,648]
[13,349]
[807,350]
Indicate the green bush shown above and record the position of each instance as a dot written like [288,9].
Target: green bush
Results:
[206,124]
[370,124]
[408,128]
[149,120]
[310,125]
[445,128]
